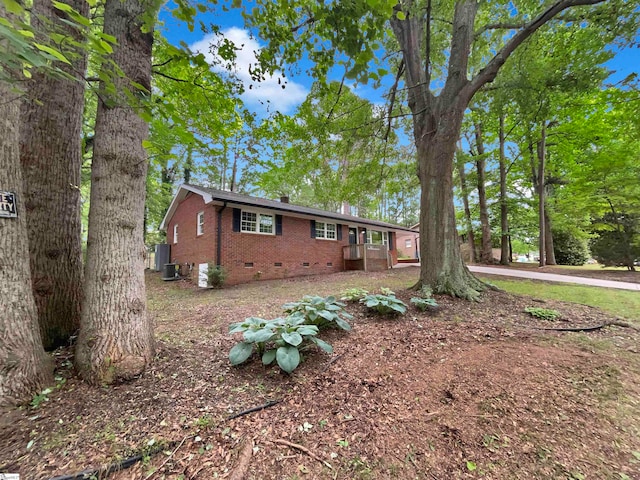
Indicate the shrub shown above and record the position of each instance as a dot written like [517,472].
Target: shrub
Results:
[543,313]
[319,311]
[569,249]
[353,294]
[618,240]
[216,275]
[384,304]
[281,339]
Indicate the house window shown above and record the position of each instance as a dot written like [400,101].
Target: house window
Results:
[253,222]
[377,238]
[326,230]
[408,243]
[175,233]
[200,223]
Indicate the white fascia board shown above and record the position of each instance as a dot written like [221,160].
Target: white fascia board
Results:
[178,197]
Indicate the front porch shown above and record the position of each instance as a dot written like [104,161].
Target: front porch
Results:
[366,256]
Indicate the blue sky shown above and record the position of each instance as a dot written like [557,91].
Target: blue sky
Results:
[269,96]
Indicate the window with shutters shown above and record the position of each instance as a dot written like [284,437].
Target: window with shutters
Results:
[326,231]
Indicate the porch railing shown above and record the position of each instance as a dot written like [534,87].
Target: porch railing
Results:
[367,254]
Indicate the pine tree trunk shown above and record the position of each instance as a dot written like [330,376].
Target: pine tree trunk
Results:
[51,157]
[542,154]
[505,244]
[550,254]
[116,335]
[473,257]
[486,253]
[25,368]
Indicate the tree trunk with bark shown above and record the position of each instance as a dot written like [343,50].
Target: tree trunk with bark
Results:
[116,335]
[505,244]
[550,254]
[473,257]
[486,252]
[437,122]
[51,157]
[542,155]
[25,368]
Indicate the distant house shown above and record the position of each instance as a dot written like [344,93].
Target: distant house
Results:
[409,243]
[253,238]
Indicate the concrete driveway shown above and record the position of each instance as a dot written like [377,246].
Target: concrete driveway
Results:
[547,277]
[553,277]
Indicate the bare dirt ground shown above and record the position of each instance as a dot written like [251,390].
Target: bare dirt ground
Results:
[602,273]
[472,390]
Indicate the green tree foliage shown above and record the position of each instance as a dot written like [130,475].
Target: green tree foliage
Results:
[618,240]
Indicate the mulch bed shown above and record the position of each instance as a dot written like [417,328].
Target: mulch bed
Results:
[463,391]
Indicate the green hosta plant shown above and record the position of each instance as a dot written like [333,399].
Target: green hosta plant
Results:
[424,304]
[320,311]
[353,294]
[543,313]
[280,339]
[384,304]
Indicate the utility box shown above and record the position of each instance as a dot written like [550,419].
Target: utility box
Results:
[162,255]
[169,271]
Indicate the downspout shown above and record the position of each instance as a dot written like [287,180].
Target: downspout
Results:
[219,237]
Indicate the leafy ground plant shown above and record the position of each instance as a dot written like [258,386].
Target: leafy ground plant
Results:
[384,304]
[424,304]
[320,311]
[543,313]
[353,294]
[280,339]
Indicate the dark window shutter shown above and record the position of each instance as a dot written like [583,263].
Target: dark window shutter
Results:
[236,219]
[313,229]
[278,224]
[391,234]
[339,231]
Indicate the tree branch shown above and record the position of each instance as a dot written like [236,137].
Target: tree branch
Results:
[488,73]
[498,26]
[308,21]
[392,99]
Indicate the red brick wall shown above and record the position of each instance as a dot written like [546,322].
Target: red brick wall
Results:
[292,249]
[401,237]
[192,248]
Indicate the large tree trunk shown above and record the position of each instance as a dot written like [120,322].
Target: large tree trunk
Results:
[51,156]
[116,335]
[25,368]
[442,268]
[505,244]
[473,257]
[486,252]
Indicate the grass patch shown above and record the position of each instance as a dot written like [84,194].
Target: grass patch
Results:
[623,303]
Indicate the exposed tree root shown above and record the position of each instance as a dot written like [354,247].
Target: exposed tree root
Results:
[304,450]
[240,471]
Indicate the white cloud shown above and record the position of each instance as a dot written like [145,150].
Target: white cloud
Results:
[268,93]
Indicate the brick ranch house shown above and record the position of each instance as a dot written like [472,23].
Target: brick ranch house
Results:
[253,238]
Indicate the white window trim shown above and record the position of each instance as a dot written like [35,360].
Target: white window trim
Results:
[324,231]
[259,213]
[199,224]
[175,233]
[385,237]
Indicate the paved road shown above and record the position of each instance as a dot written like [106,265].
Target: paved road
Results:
[552,277]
